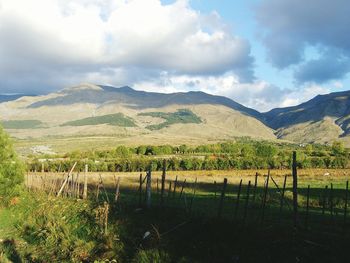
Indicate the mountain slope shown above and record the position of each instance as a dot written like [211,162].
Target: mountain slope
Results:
[6,97]
[324,119]
[88,93]
[93,111]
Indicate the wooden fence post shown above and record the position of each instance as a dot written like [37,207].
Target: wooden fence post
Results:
[307,207]
[157,188]
[72,186]
[246,204]
[163,184]
[222,197]
[264,198]
[215,190]
[194,194]
[65,181]
[175,184]
[324,199]
[98,190]
[77,188]
[182,188]
[295,189]
[140,190]
[116,197]
[255,186]
[238,197]
[282,197]
[346,202]
[169,191]
[85,182]
[148,188]
[331,200]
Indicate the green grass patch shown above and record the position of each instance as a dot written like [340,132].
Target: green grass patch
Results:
[117,119]
[180,116]
[42,228]
[22,124]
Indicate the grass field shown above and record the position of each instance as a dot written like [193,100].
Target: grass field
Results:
[314,177]
[206,189]
[184,230]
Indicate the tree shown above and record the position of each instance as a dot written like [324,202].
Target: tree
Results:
[266,150]
[247,150]
[338,148]
[141,150]
[308,149]
[183,149]
[11,169]
[122,151]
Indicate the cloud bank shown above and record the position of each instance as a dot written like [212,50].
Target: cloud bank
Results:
[291,26]
[50,43]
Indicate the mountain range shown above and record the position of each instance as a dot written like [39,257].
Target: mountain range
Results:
[129,116]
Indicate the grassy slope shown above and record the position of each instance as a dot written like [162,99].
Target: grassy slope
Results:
[22,124]
[180,116]
[324,131]
[117,119]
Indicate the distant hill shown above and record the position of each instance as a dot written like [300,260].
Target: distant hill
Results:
[324,119]
[127,116]
[137,99]
[6,97]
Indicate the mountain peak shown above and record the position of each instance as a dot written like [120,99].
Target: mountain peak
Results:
[82,86]
[114,89]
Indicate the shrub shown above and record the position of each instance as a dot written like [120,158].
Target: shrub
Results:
[11,169]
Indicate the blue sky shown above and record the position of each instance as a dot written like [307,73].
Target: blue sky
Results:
[261,53]
[240,15]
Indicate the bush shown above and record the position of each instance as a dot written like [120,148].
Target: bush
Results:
[11,169]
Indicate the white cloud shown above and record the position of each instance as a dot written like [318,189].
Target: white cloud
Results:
[45,39]
[50,44]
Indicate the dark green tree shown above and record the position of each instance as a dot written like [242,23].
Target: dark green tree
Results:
[338,148]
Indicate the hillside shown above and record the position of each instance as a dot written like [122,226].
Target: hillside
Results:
[11,97]
[107,116]
[323,119]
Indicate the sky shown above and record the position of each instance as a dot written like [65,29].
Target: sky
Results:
[260,53]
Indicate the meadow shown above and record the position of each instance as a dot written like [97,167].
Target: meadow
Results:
[70,229]
[207,209]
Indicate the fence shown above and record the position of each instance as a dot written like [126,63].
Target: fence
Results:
[260,201]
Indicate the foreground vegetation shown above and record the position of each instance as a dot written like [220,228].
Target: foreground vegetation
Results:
[43,228]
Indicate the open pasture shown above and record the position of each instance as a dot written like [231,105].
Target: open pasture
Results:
[200,191]
[219,224]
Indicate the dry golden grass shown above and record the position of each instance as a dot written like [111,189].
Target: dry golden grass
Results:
[317,178]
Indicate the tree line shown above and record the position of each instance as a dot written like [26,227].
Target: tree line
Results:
[220,156]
